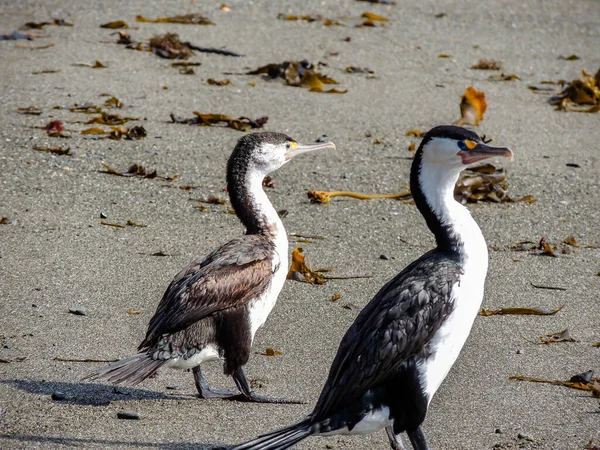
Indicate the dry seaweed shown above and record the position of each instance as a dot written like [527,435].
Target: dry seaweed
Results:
[135,170]
[4,220]
[187,19]
[298,73]
[30,110]
[503,77]
[93,131]
[299,269]
[132,134]
[324,197]
[116,25]
[95,65]
[40,72]
[371,19]
[487,64]
[129,223]
[213,200]
[270,352]
[55,128]
[113,102]
[485,183]
[310,18]
[169,46]
[109,119]
[563,336]
[569,58]
[580,95]
[353,69]
[519,311]
[472,107]
[591,386]
[416,133]
[214,82]
[240,124]
[55,150]
[40,25]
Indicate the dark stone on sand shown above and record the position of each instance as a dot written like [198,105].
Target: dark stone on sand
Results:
[57,395]
[384,257]
[128,415]
[78,311]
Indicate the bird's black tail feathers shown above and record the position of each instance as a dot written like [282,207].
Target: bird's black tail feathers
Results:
[128,371]
[279,439]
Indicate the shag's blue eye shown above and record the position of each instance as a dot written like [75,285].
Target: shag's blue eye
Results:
[462,145]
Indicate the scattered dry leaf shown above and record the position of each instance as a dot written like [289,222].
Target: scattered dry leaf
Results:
[117,24]
[353,69]
[55,128]
[487,64]
[444,56]
[546,248]
[135,170]
[519,311]
[299,268]
[40,72]
[472,107]
[268,182]
[240,124]
[134,312]
[4,220]
[416,133]
[187,19]
[335,297]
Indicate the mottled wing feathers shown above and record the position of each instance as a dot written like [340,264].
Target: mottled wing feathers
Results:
[396,325]
[230,276]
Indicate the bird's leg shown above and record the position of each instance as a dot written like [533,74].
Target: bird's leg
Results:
[417,439]
[205,391]
[249,395]
[395,439]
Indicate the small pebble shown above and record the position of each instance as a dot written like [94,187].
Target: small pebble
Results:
[78,311]
[519,352]
[322,138]
[498,431]
[174,387]
[384,257]
[525,437]
[8,346]
[57,395]
[103,215]
[128,415]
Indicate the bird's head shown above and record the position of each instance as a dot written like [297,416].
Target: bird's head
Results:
[457,148]
[266,152]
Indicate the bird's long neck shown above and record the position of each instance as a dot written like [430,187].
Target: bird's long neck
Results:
[250,202]
[432,186]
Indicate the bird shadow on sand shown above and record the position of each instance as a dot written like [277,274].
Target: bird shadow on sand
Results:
[107,443]
[90,394]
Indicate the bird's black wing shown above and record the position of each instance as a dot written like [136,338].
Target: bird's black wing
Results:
[237,272]
[396,325]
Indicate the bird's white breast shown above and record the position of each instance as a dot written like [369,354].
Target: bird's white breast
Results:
[467,294]
[260,308]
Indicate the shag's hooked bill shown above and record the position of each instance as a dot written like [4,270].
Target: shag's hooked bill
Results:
[401,346]
[212,308]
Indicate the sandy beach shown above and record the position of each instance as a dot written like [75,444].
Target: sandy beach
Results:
[56,255]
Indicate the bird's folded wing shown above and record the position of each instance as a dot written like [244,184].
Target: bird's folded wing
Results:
[395,326]
[229,277]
